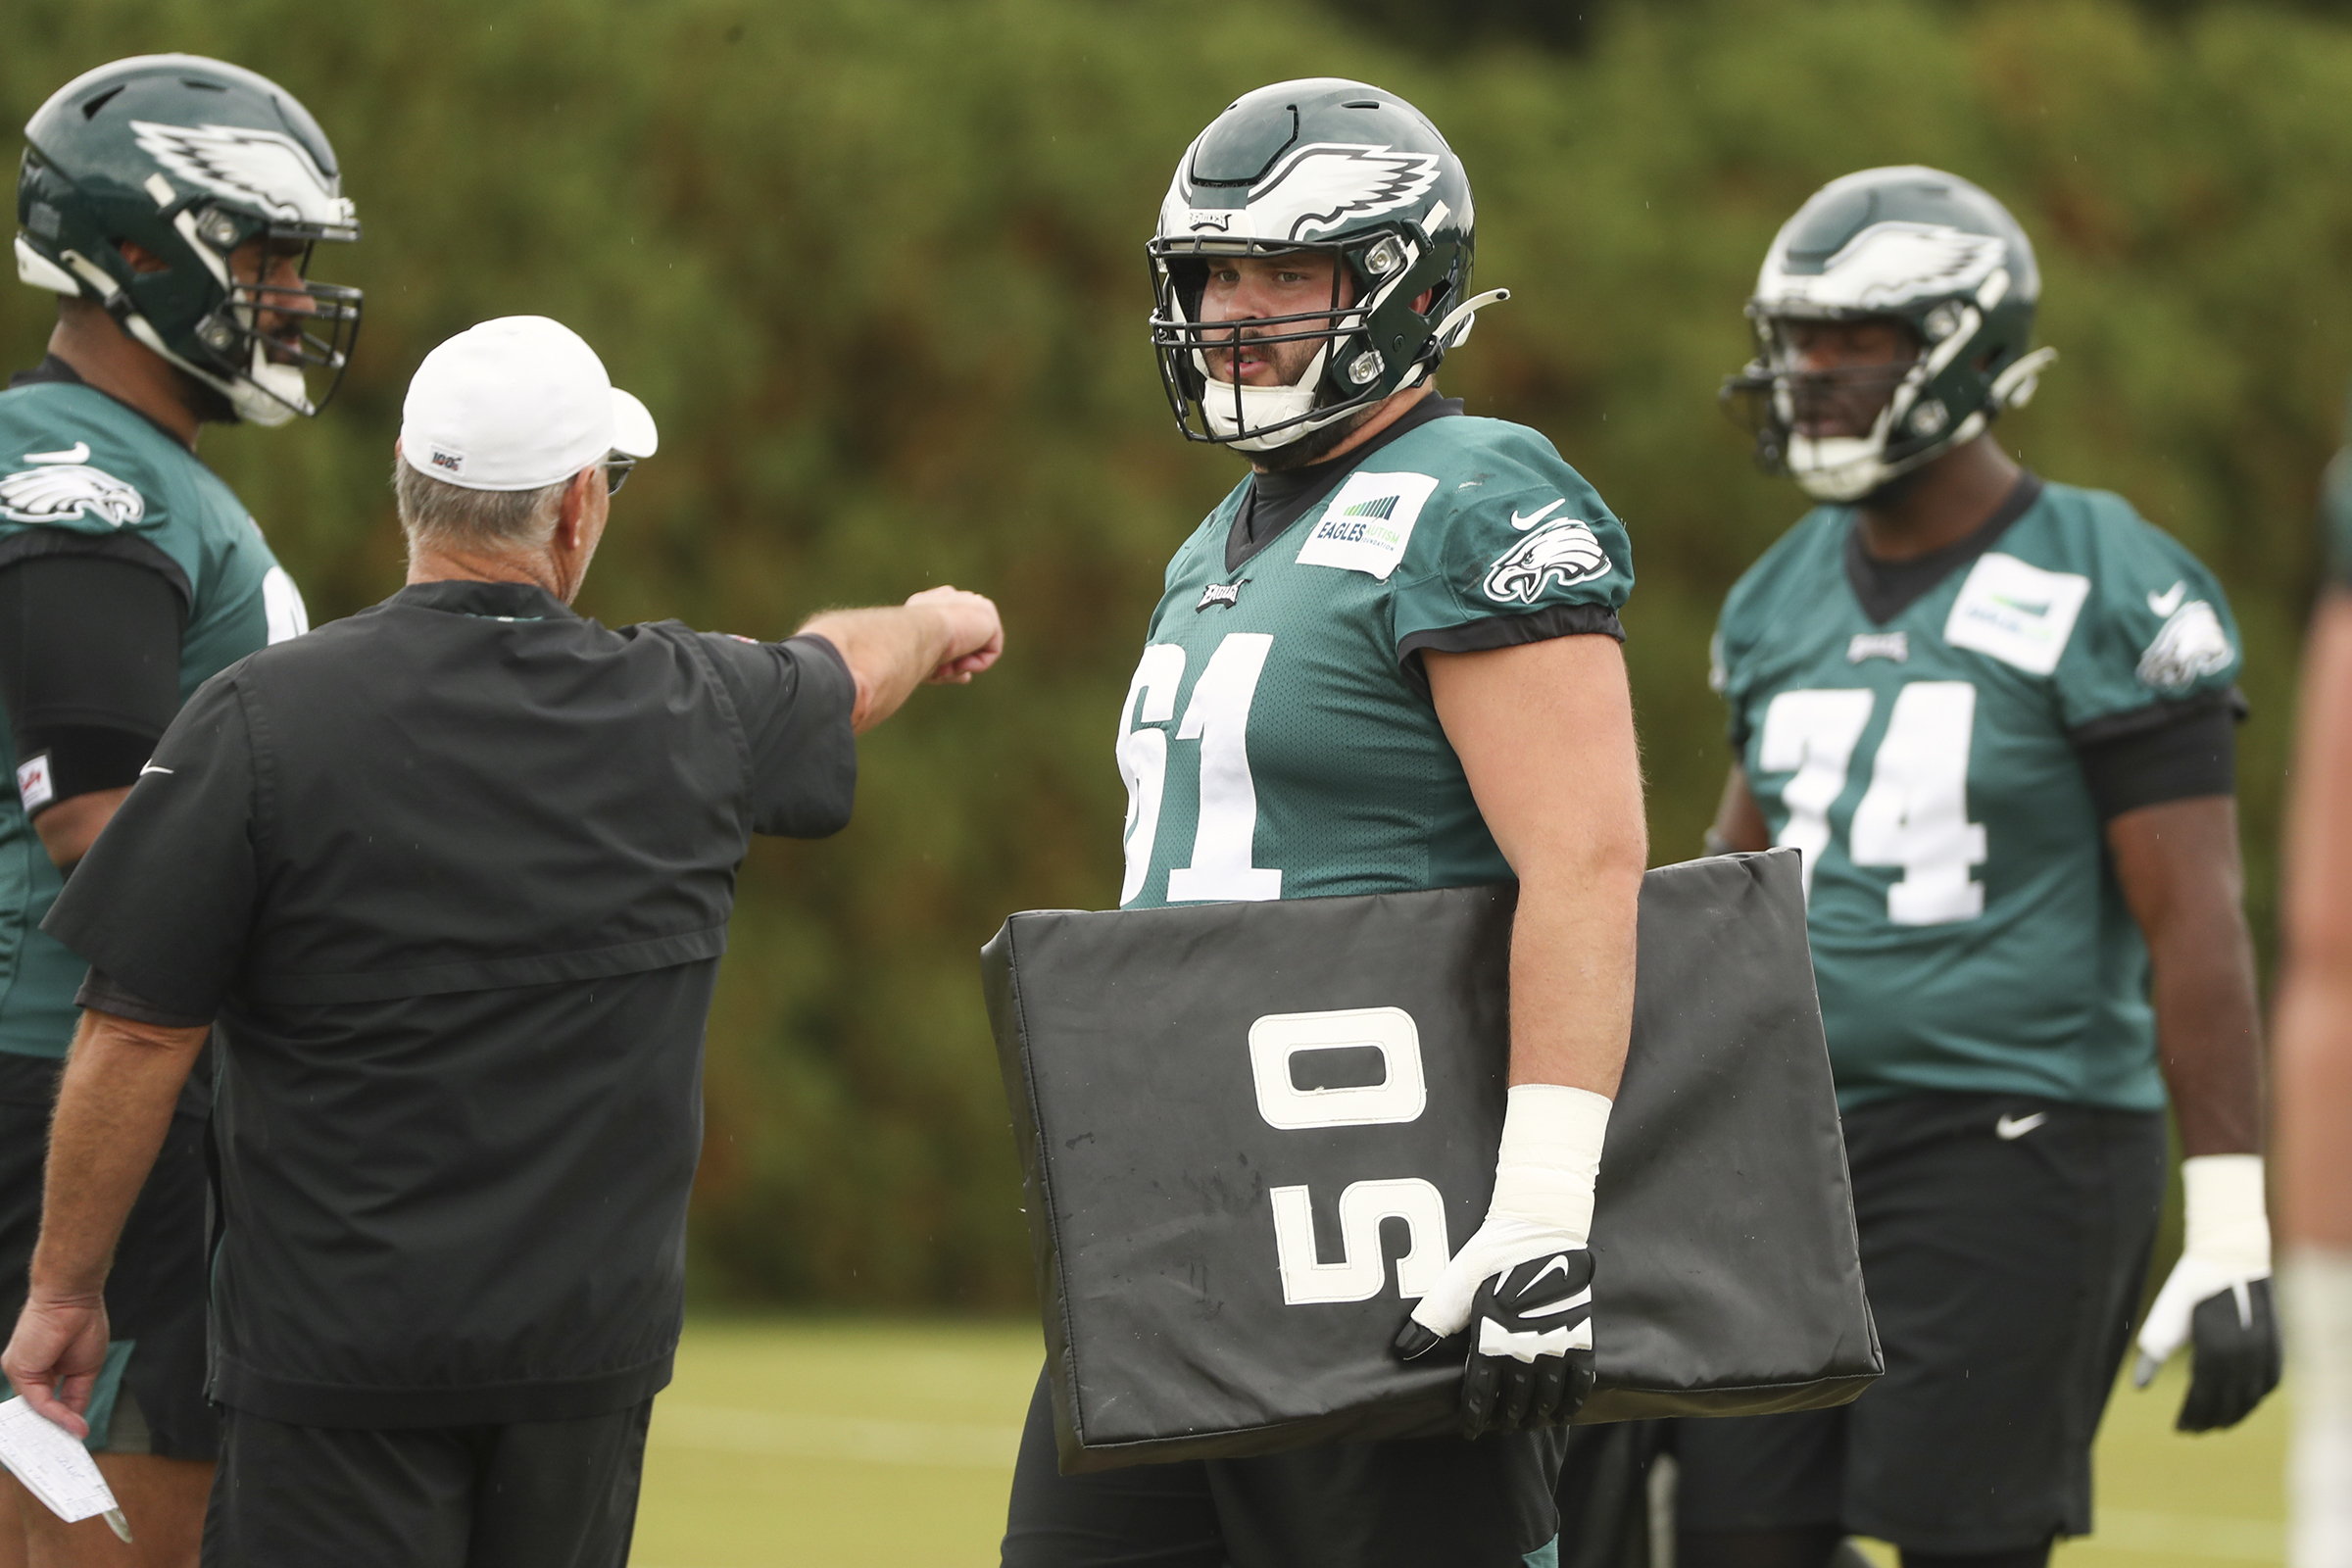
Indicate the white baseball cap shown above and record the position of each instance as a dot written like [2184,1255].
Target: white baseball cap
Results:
[515,403]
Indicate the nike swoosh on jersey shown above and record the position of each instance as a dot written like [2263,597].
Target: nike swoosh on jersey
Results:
[2165,603]
[1537,516]
[79,451]
[152,768]
[2013,1128]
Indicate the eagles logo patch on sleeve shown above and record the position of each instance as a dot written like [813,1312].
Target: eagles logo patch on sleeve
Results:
[2190,645]
[1560,554]
[60,486]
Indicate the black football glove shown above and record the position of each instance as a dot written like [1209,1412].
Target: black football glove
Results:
[1531,1348]
[2217,1300]
[2233,1357]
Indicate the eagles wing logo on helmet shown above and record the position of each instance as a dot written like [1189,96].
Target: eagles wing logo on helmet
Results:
[2190,644]
[59,491]
[1564,552]
[261,169]
[1891,264]
[1325,185]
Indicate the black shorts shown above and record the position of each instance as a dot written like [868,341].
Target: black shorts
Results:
[1483,1504]
[525,1495]
[2004,1272]
[151,1399]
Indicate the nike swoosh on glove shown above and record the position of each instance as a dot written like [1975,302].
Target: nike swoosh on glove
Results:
[2217,1300]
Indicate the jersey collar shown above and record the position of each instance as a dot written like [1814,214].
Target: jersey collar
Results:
[1272,501]
[1885,589]
[490,601]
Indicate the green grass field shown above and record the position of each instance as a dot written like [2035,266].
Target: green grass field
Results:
[877,1445]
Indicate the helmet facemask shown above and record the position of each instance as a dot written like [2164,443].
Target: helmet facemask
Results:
[264,333]
[1346,373]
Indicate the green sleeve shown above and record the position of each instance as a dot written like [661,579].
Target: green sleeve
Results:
[1519,556]
[2336,518]
[2155,630]
[63,470]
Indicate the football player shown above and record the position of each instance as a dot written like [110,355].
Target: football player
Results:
[2315,1064]
[173,201]
[1388,661]
[1996,713]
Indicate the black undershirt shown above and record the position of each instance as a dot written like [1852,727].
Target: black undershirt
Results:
[1280,497]
[2166,752]
[1886,588]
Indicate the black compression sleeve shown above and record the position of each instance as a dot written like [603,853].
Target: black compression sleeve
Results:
[2190,753]
[89,667]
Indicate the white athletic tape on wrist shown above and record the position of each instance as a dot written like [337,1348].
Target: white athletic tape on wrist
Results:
[2226,1224]
[2316,1286]
[1550,1158]
[1542,1203]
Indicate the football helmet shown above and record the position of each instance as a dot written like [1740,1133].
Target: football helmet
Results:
[190,159]
[1925,248]
[1318,165]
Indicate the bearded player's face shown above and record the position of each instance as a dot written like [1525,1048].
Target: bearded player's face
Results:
[1254,288]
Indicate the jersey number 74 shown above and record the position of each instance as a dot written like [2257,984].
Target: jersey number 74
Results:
[1915,812]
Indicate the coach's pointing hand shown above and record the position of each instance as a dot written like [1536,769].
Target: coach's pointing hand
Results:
[1525,1280]
[941,635]
[970,626]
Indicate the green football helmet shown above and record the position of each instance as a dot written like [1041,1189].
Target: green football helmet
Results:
[1929,250]
[190,159]
[1318,165]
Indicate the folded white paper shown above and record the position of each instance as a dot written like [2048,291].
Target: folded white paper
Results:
[55,1467]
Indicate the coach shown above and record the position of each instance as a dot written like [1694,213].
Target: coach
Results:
[450,879]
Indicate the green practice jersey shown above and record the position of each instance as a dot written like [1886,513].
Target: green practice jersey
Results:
[1968,932]
[1278,739]
[82,471]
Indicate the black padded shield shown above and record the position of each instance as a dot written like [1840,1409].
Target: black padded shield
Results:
[1727,1279]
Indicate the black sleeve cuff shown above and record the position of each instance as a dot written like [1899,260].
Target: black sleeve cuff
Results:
[1505,631]
[2169,752]
[826,646]
[100,994]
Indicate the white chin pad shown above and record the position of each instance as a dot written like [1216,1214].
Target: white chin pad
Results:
[1261,406]
[1837,467]
[269,393]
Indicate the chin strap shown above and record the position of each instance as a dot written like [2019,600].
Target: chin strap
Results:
[1446,337]
[2014,387]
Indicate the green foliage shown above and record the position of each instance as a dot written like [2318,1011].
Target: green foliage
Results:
[876,265]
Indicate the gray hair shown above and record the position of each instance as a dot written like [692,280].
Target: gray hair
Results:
[437,513]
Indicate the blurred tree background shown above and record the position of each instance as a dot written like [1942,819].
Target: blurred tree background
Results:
[877,268]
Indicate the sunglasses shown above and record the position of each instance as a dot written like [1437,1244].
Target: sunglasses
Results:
[618,470]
